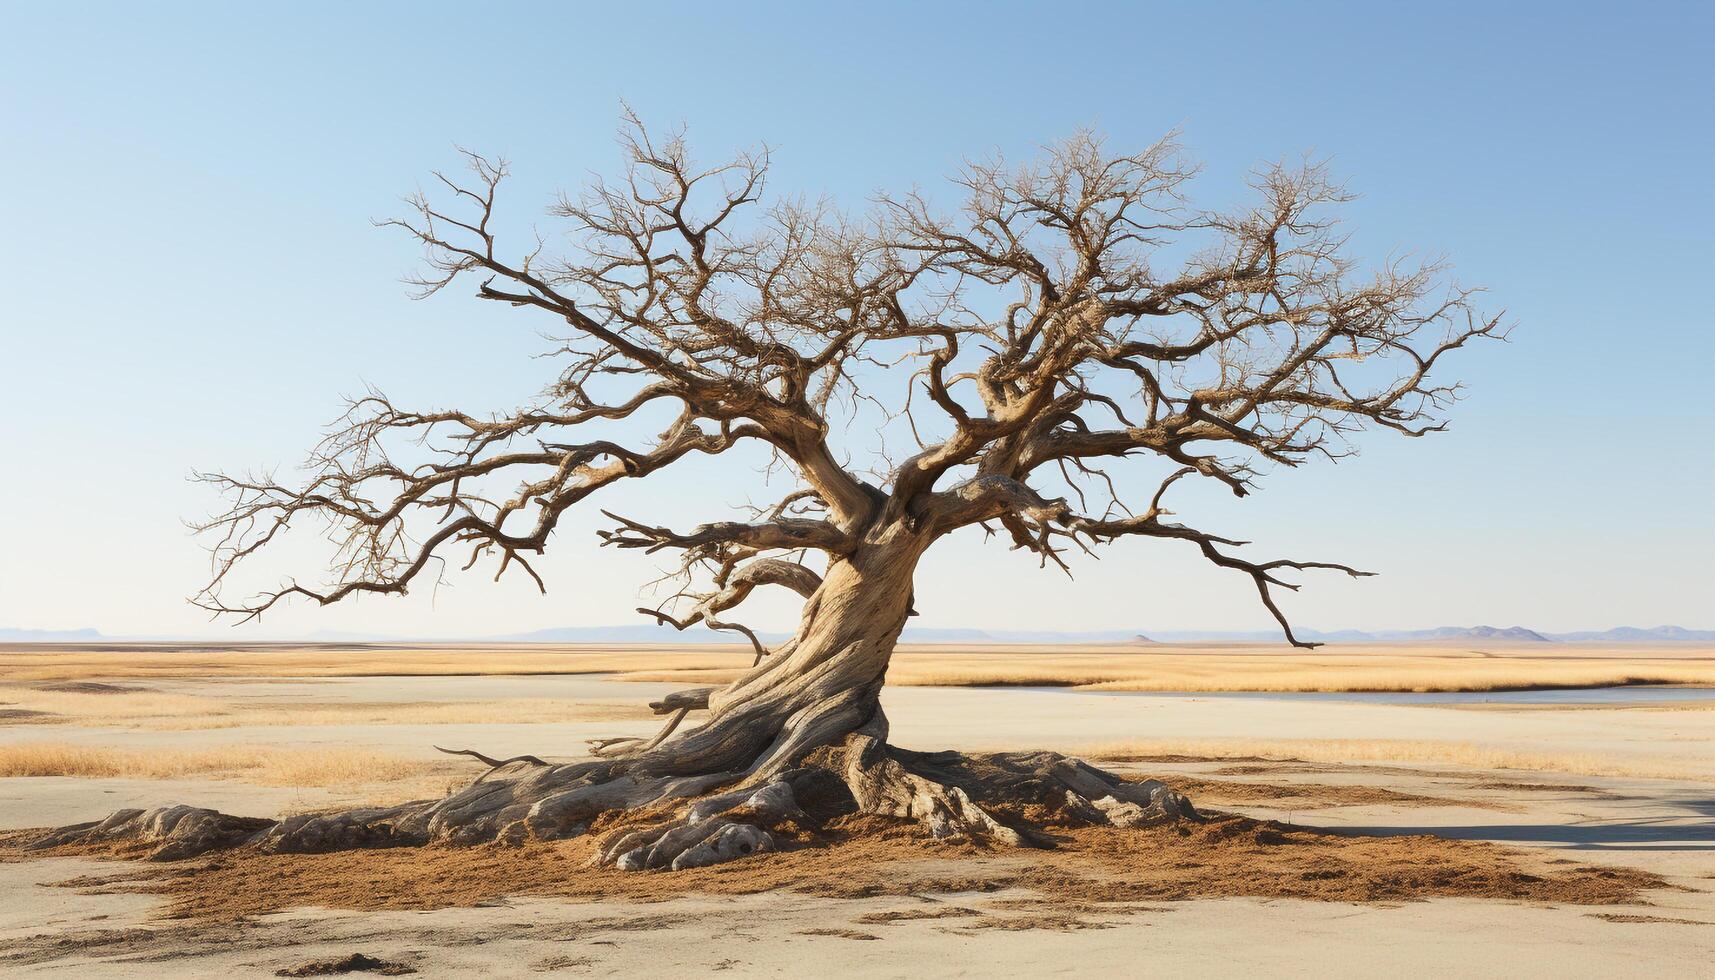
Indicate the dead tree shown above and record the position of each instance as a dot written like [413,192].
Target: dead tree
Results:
[1066,314]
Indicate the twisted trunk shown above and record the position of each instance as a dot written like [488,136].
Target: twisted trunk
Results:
[823,683]
[796,740]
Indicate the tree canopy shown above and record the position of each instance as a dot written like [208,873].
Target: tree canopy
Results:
[1061,315]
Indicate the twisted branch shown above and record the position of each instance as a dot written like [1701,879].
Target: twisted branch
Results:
[1047,319]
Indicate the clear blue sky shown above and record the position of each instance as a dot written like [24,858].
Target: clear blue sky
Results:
[188,276]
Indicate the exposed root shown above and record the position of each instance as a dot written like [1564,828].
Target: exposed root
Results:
[713,830]
[952,793]
[171,832]
[655,820]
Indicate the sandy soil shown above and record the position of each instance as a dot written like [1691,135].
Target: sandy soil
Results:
[1196,907]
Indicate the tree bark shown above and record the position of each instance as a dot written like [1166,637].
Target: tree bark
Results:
[823,683]
[801,732]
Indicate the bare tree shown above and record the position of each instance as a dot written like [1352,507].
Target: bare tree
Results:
[1067,314]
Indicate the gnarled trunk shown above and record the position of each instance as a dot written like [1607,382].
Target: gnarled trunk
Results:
[823,683]
[800,733]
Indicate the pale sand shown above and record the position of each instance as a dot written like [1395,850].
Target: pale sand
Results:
[1653,824]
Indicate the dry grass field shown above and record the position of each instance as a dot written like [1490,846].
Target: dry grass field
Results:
[1151,667]
[1223,667]
[1394,750]
[51,692]
[114,706]
[289,766]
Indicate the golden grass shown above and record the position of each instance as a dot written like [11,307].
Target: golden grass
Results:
[1339,750]
[117,708]
[1479,675]
[1214,671]
[1158,667]
[1398,668]
[142,709]
[1648,707]
[302,766]
[61,662]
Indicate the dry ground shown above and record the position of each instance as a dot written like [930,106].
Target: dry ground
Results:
[1359,848]
[859,858]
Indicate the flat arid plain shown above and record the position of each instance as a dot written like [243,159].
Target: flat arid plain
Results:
[1450,808]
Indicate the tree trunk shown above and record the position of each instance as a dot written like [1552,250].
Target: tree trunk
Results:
[823,683]
[800,737]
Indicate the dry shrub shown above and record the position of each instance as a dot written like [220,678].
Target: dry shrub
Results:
[144,709]
[305,766]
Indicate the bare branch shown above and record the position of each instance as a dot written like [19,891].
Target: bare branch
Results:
[1069,312]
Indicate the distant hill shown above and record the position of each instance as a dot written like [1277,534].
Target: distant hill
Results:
[1634,634]
[637,633]
[49,636]
[1509,633]
[346,636]
[1514,633]
[649,633]
[1504,634]
[916,634]
[654,634]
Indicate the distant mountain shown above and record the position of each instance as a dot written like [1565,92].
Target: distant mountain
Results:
[639,633]
[912,634]
[1507,634]
[1634,634]
[347,636]
[1513,633]
[918,634]
[49,636]
[654,634]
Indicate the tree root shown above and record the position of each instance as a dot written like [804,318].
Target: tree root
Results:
[174,832]
[662,821]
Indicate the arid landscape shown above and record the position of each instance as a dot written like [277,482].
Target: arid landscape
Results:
[1569,826]
[856,490]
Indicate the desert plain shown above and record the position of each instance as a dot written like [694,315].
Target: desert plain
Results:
[1447,808]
